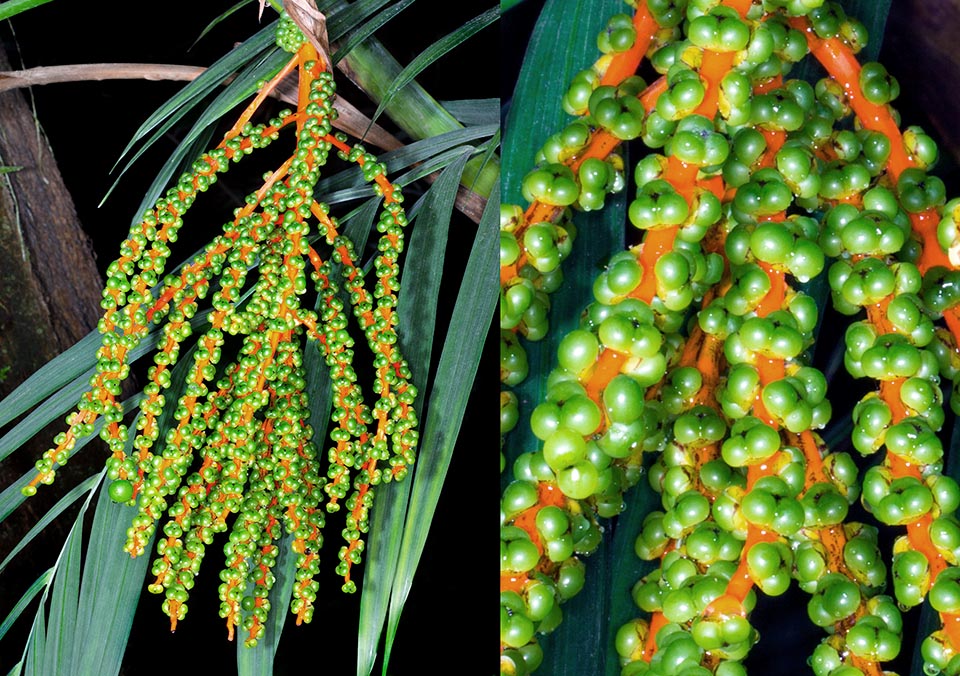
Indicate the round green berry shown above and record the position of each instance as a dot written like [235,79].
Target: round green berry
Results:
[120,491]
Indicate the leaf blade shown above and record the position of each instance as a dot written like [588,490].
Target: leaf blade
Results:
[434,52]
[75,494]
[420,289]
[369,28]
[444,413]
[38,586]
[104,620]
[184,100]
[220,17]
[13,7]
[472,112]
[240,88]
[351,15]
[64,597]
[409,155]
[562,43]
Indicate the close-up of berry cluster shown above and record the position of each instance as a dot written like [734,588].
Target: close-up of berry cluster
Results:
[757,200]
[241,443]
[246,249]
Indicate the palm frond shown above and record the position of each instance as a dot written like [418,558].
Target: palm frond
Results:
[456,371]
[13,7]
[434,52]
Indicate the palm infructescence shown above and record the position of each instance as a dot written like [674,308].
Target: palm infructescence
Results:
[230,432]
[762,197]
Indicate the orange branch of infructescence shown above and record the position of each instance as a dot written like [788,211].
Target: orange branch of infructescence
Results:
[842,65]
[918,532]
[599,146]
[232,466]
[656,243]
[713,68]
[601,142]
[118,352]
[548,494]
[261,96]
[833,538]
[625,64]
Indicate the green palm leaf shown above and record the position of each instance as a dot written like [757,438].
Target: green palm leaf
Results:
[373,24]
[349,16]
[33,656]
[566,36]
[50,649]
[64,596]
[475,111]
[14,7]
[195,91]
[444,412]
[239,90]
[38,586]
[219,18]
[75,494]
[420,290]
[434,52]
[104,620]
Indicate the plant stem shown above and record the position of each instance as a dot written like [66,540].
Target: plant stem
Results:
[349,119]
[372,68]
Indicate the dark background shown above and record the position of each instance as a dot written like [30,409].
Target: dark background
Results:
[88,124]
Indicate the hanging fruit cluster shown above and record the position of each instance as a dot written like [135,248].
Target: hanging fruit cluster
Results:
[692,364]
[236,445]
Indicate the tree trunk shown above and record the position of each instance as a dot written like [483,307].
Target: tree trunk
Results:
[49,284]
[49,299]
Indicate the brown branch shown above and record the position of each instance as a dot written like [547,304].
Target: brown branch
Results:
[350,119]
[41,75]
